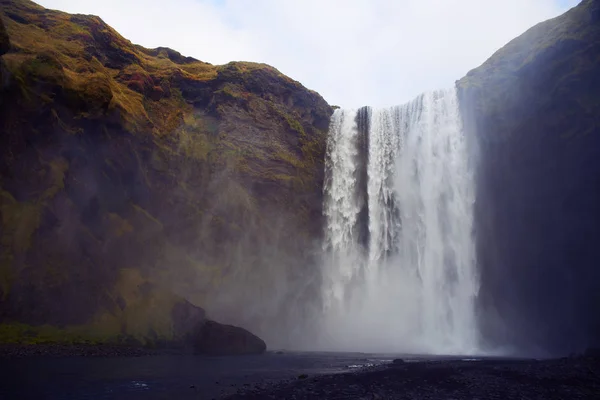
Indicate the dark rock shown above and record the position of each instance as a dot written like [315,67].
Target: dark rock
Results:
[4,40]
[592,352]
[186,318]
[219,339]
[492,379]
[532,114]
[398,361]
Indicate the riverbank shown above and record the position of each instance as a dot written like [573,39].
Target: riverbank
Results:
[164,376]
[568,378]
[16,351]
[105,372]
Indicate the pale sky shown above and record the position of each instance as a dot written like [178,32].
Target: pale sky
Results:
[353,52]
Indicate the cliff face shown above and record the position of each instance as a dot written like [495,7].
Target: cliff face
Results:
[126,172]
[535,113]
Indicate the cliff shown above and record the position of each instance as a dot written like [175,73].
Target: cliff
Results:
[132,179]
[533,111]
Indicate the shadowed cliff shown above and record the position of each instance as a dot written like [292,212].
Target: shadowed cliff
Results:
[534,110]
[131,178]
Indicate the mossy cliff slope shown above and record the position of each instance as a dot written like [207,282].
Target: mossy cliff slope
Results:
[535,109]
[130,177]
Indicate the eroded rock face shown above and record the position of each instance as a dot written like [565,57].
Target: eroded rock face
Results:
[533,110]
[4,42]
[219,339]
[122,166]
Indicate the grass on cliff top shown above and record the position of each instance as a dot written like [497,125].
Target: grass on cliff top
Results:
[101,73]
[92,61]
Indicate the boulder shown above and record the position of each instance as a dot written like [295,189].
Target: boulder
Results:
[186,318]
[214,338]
[592,352]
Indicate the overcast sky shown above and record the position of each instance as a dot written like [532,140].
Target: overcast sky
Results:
[353,52]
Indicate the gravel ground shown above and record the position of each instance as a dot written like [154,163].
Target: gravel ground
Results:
[569,378]
[120,372]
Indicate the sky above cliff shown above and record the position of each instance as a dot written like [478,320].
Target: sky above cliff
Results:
[353,52]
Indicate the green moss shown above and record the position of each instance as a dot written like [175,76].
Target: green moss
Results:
[57,169]
[289,119]
[6,272]
[234,91]
[295,125]
[195,138]
[27,334]
[289,158]
[68,29]
[313,149]
[146,319]
[19,222]
[44,67]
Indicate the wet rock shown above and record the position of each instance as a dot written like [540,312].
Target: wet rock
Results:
[490,379]
[186,318]
[214,338]
[592,352]
[532,111]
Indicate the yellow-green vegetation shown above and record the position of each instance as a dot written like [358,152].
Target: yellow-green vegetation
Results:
[234,91]
[196,137]
[146,317]
[119,226]
[27,334]
[131,173]
[64,50]
[19,222]
[146,308]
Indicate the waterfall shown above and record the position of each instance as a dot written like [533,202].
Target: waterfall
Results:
[399,271]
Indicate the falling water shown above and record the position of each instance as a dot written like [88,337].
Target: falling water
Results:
[400,269]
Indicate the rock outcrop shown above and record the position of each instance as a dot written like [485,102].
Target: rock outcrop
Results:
[534,110]
[128,173]
[218,339]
